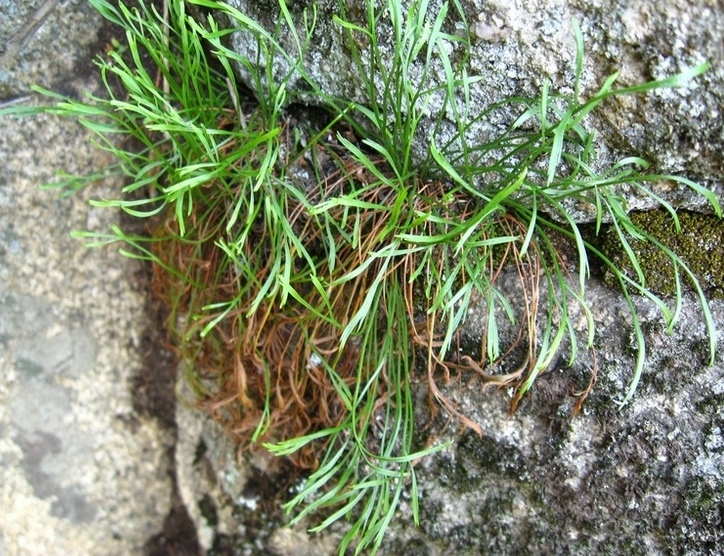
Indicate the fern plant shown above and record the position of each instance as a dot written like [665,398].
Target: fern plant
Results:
[316,272]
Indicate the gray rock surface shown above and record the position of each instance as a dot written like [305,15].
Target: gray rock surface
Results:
[517,46]
[81,472]
[233,500]
[646,479]
[48,43]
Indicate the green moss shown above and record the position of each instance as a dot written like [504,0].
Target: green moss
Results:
[698,527]
[699,244]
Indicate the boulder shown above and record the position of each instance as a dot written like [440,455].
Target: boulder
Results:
[644,479]
[514,49]
[82,472]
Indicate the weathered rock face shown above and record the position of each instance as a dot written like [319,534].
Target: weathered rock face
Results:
[646,479]
[643,480]
[518,46]
[81,472]
[47,44]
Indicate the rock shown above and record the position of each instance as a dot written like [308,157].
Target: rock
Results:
[81,472]
[516,48]
[233,499]
[48,43]
[645,479]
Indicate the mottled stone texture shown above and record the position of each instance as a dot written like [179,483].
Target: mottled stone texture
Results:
[517,46]
[645,479]
[81,473]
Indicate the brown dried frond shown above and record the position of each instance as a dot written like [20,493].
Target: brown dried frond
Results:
[262,370]
[262,367]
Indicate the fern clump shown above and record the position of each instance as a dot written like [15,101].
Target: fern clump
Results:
[314,272]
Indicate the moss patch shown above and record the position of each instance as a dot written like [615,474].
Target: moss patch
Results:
[699,244]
